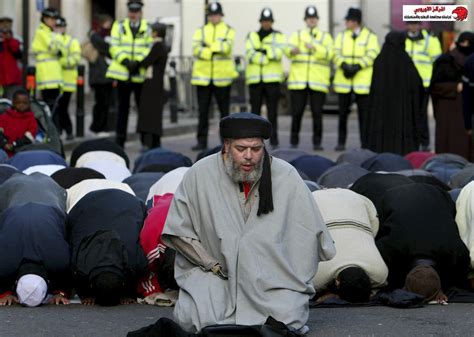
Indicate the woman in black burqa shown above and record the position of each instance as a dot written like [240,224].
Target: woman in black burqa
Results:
[395,96]
[153,96]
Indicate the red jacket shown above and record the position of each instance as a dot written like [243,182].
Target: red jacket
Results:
[15,124]
[150,240]
[10,73]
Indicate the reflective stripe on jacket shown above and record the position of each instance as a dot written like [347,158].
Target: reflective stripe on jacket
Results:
[46,45]
[362,51]
[123,45]
[311,67]
[212,50]
[423,53]
[264,58]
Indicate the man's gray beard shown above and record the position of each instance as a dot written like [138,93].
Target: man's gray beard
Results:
[233,170]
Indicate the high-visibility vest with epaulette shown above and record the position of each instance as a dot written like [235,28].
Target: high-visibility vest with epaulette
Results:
[264,58]
[124,46]
[212,49]
[71,56]
[310,67]
[362,51]
[423,53]
[46,46]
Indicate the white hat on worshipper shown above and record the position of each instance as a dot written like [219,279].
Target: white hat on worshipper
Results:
[31,290]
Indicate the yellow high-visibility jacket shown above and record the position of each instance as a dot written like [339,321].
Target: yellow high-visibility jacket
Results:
[423,53]
[124,46]
[264,58]
[46,46]
[311,67]
[212,49]
[71,56]
[362,51]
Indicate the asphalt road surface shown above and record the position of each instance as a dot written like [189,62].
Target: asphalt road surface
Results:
[78,320]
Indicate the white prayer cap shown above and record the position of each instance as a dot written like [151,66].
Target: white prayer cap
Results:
[31,290]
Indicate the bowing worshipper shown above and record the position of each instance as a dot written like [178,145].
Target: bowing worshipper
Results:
[100,144]
[374,185]
[25,159]
[249,245]
[106,257]
[37,187]
[417,158]
[313,166]
[165,159]
[68,177]
[342,175]
[99,155]
[141,182]
[355,156]
[158,287]
[446,92]
[420,242]
[6,171]
[168,183]
[81,189]
[34,263]
[465,222]
[395,97]
[357,267]
[110,169]
[386,162]
[47,170]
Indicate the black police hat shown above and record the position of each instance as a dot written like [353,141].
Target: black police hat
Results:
[50,12]
[61,22]
[214,8]
[354,14]
[266,15]
[311,12]
[134,5]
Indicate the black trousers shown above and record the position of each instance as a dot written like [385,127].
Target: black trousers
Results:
[204,96]
[61,114]
[150,140]
[49,97]
[270,92]
[298,104]
[125,90]
[424,131]
[345,101]
[100,111]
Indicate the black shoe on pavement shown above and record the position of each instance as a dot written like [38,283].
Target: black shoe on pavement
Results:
[340,148]
[294,146]
[318,147]
[199,147]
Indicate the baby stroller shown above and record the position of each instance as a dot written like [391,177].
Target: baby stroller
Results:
[47,133]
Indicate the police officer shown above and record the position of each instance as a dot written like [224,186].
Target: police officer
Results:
[264,72]
[355,50]
[70,59]
[213,68]
[310,52]
[423,49]
[130,43]
[47,49]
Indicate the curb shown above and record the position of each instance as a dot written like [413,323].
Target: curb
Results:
[168,131]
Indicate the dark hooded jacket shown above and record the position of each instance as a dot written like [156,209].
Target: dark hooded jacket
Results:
[34,234]
[418,223]
[103,231]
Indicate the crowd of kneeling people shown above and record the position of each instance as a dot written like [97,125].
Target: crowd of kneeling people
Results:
[93,228]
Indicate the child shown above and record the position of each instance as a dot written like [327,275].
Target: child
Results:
[18,125]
